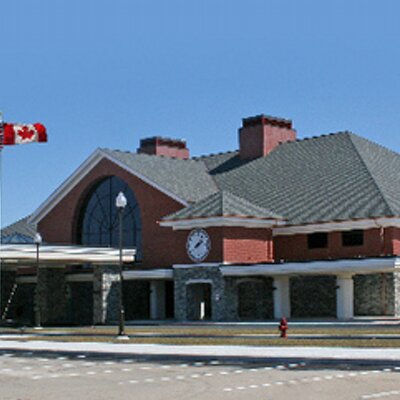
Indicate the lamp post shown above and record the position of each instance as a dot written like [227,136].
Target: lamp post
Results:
[120,203]
[38,241]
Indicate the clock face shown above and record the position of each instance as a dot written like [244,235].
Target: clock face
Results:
[198,245]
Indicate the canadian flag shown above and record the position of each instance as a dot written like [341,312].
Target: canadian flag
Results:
[23,133]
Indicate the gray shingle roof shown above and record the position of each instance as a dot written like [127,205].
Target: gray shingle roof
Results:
[187,179]
[18,232]
[331,177]
[222,204]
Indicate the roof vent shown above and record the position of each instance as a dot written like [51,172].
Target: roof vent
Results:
[259,135]
[159,146]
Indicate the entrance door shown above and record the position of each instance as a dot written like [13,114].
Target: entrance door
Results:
[198,300]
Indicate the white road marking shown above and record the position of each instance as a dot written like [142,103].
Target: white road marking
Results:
[133,381]
[126,369]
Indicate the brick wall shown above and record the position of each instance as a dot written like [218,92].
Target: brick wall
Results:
[295,247]
[244,245]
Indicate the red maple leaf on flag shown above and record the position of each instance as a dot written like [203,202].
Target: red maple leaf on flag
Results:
[26,133]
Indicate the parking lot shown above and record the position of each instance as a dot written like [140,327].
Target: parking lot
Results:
[31,375]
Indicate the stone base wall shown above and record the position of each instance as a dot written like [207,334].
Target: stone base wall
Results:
[313,296]
[376,294]
[52,295]
[255,299]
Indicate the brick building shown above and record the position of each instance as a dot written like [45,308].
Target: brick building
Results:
[281,227]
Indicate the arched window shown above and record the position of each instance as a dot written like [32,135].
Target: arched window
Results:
[98,222]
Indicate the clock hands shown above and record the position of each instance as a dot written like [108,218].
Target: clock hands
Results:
[200,242]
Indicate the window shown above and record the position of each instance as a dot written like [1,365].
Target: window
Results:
[318,240]
[98,223]
[353,238]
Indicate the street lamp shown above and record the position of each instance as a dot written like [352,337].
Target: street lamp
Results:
[38,241]
[120,203]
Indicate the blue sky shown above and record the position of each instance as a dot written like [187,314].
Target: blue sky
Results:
[106,73]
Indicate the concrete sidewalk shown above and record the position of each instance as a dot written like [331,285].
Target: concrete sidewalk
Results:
[247,352]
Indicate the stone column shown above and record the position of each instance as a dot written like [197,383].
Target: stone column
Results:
[157,299]
[105,294]
[281,297]
[344,297]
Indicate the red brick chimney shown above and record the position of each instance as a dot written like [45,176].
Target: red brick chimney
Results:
[259,135]
[166,147]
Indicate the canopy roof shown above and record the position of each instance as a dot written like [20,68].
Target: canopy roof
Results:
[26,254]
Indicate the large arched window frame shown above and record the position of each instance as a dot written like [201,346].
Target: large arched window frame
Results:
[98,222]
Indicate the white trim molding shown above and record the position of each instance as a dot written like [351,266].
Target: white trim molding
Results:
[81,277]
[26,279]
[244,222]
[83,170]
[384,222]
[334,267]
[151,274]
[200,265]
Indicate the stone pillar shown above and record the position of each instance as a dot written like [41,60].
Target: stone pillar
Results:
[184,277]
[157,299]
[344,297]
[281,297]
[106,290]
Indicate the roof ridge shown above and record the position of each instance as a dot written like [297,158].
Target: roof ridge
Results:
[350,136]
[213,154]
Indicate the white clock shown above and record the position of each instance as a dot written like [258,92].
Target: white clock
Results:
[198,245]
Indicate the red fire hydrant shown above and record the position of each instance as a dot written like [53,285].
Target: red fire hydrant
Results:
[283,327]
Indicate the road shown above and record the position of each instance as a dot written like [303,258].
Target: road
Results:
[31,375]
